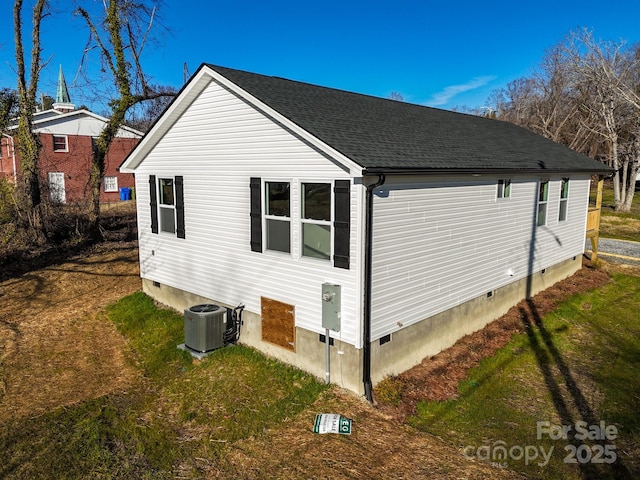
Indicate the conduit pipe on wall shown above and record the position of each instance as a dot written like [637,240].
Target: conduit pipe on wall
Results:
[368,262]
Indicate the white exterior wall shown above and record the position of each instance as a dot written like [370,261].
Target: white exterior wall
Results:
[217,145]
[438,243]
[78,124]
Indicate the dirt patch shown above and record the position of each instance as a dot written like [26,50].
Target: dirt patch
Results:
[54,348]
[436,378]
[377,448]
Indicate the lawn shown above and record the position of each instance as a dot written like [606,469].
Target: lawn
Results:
[575,369]
[164,423]
[240,414]
[623,226]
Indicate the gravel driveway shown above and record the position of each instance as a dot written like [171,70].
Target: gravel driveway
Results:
[617,251]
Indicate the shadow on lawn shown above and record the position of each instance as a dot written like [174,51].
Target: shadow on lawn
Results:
[573,407]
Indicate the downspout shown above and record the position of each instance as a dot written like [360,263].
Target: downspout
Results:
[368,262]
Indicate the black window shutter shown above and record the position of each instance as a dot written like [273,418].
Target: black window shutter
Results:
[178,181]
[341,223]
[154,203]
[256,214]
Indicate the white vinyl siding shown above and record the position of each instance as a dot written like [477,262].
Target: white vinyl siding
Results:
[218,144]
[441,243]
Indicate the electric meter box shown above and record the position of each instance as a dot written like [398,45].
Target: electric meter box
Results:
[331,305]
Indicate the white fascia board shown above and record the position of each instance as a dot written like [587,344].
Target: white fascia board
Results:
[39,124]
[353,167]
[187,95]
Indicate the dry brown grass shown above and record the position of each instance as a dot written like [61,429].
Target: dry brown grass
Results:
[378,447]
[54,349]
[625,227]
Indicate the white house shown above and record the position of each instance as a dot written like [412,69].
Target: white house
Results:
[425,224]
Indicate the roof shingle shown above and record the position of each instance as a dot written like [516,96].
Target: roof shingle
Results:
[387,136]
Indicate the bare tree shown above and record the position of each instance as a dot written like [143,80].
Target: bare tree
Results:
[606,72]
[585,94]
[120,34]
[28,141]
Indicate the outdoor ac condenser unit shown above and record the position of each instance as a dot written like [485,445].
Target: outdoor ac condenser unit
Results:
[204,327]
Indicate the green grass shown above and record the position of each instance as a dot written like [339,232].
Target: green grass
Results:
[180,411]
[580,363]
[623,226]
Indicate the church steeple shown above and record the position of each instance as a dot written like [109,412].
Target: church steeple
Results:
[63,101]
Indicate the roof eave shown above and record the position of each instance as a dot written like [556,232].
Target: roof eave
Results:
[476,171]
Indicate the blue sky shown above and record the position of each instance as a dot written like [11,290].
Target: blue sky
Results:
[444,54]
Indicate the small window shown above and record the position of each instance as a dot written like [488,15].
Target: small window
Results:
[564,196]
[167,206]
[316,220]
[60,143]
[278,216]
[543,196]
[504,188]
[110,184]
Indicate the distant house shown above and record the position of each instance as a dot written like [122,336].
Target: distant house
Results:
[67,136]
[421,225]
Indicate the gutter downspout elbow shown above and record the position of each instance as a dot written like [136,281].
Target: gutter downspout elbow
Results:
[368,263]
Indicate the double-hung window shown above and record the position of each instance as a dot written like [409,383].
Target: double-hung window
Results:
[60,143]
[316,220]
[564,198]
[320,209]
[543,196]
[167,205]
[504,188]
[278,216]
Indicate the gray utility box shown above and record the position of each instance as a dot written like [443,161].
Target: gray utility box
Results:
[204,327]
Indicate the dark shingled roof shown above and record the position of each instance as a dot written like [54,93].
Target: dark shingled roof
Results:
[387,136]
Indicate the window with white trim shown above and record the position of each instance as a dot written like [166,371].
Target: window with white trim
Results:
[504,188]
[167,205]
[543,197]
[277,216]
[564,199]
[60,143]
[316,220]
[110,184]
[324,218]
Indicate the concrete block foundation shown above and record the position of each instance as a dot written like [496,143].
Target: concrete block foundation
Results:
[404,349]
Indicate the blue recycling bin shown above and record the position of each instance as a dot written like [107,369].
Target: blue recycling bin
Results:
[125,194]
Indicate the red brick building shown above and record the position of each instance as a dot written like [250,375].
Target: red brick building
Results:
[67,136]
